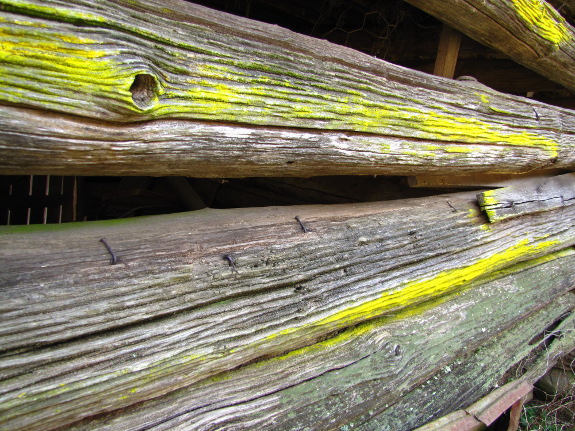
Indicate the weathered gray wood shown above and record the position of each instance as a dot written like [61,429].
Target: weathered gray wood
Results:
[528,196]
[530,32]
[480,370]
[35,142]
[171,331]
[392,374]
[226,96]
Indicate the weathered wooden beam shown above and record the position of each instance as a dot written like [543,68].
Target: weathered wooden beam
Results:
[39,142]
[528,196]
[176,336]
[204,93]
[531,32]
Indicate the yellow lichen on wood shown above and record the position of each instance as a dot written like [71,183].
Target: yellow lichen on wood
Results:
[543,20]
[120,67]
[39,64]
[444,282]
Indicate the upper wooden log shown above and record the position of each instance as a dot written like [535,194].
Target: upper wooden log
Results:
[531,32]
[226,96]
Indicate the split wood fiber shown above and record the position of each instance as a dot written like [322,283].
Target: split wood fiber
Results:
[170,88]
[531,32]
[528,196]
[375,305]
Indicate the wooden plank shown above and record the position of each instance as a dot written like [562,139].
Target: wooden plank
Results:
[491,407]
[213,95]
[5,191]
[55,186]
[37,195]
[69,200]
[20,189]
[528,196]
[456,421]
[447,53]
[486,410]
[149,340]
[516,412]
[558,348]
[530,32]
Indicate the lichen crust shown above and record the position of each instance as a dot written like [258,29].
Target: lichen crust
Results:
[543,20]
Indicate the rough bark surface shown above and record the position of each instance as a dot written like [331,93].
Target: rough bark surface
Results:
[375,307]
[123,88]
[531,32]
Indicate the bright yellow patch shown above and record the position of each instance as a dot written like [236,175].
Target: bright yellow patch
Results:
[488,201]
[446,281]
[459,149]
[471,130]
[543,20]
[39,65]
[368,326]
[223,93]
[69,14]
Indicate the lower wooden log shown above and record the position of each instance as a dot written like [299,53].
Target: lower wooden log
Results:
[332,326]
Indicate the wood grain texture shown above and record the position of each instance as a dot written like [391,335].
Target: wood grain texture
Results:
[37,142]
[304,330]
[491,407]
[478,372]
[447,52]
[528,196]
[531,32]
[455,421]
[174,87]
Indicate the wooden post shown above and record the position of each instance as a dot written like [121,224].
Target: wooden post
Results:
[447,52]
